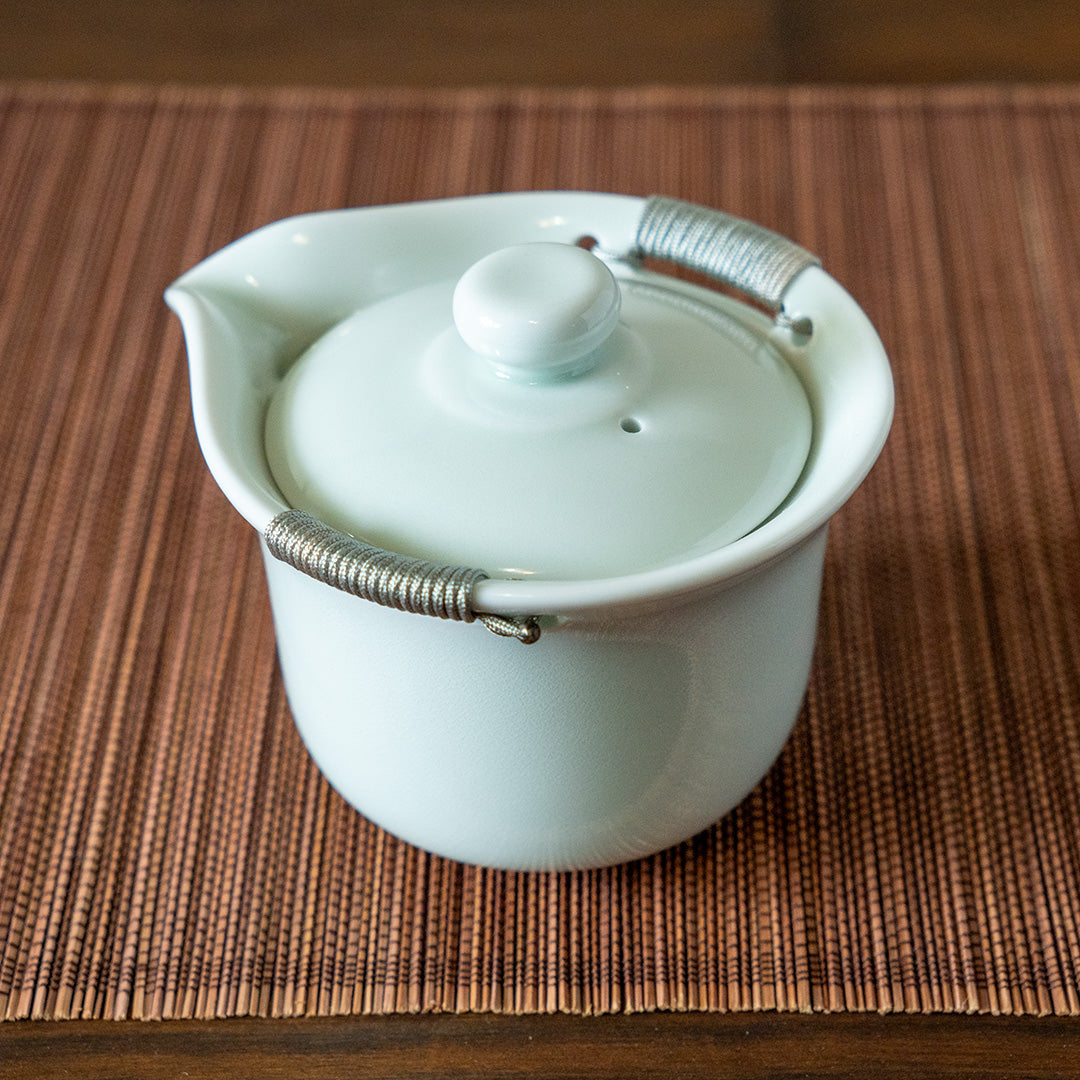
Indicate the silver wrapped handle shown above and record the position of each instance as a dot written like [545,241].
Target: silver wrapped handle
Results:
[747,256]
[384,577]
[739,253]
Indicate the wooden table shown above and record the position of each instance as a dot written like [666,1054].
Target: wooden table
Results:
[660,1045]
[901,894]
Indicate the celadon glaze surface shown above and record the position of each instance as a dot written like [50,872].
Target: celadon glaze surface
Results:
[687,430]
[608,740]
[653,701]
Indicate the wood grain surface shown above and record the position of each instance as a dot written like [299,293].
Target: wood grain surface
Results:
[660,1045]
[539,42]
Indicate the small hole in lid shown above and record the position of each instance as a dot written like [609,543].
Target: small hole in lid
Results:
[630,424]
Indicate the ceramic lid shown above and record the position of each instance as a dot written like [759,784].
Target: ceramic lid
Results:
[547,414]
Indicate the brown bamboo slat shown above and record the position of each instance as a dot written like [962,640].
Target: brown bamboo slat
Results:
[167,849]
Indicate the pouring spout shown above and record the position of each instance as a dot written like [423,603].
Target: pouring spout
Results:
[235,360]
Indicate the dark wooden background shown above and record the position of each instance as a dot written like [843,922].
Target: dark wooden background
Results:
[540,42]
[661,1046]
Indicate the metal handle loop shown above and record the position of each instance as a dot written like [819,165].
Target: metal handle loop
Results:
[739,253]
[384,577]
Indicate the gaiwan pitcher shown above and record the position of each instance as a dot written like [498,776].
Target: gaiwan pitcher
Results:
[543,528]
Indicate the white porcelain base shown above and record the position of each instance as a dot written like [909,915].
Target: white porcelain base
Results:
[605,741]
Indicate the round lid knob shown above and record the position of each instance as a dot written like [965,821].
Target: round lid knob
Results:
[537,311]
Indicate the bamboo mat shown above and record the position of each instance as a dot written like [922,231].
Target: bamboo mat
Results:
[167,847]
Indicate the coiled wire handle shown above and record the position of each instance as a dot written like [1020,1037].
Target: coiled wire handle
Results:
[738,253]
[747,256]
[384,577]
